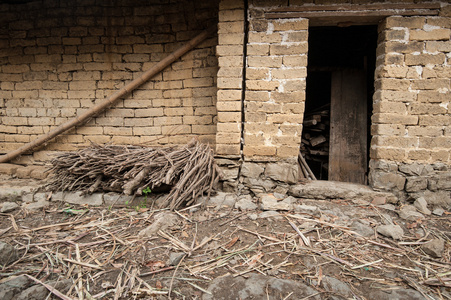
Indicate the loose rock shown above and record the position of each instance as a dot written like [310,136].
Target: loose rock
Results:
[10,288]
[162,221]
[269,202]
[8,254]
[434,248]
[393,231]
[438,211]
[362,229]
[9,206]
[39,292]
[334,285]
[245,203]
[257,287]
[410,213]
[421,205]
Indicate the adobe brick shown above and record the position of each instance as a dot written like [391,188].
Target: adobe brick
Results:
[424,59]
[255,117]
[293,97]
[204,129]
[287,151]
[228,105]
[89,130]
[434,120]
[299,36]
[263,37]
[395,141]
[257,96]
[26,94]
[160,121]
[431,84]
[393,71]
[229,138]
[290,25]
[439,21]
[441,46]
[198,120]
[290,49]
[229,117]
[231,15]
[393,118]
[259,150]
[138,122]
[110,121]
[432,96]
[435,142]
[419,155]
[425,130]
[257,49]
[392,154]
[227,149]
[432,35]
[390,59]
[282,118]
[79,94]
[230,39]
[229,95]
[229,83]
[204,92]
[229,50]
[392,84]
[230,4]
[231,27]
[399,47]
[230,61]
[178,111]
[425,108]
[387,107]
[440,155]
[409,22]
[230,72]
[175,129]
[146,130]
[264,61]
[388,129]
[229,127]
[293,108]
[289,73]
[182,93]
[198,82]
[260,85]
[398,96]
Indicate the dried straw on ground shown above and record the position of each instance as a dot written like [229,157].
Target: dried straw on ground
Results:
[189,171]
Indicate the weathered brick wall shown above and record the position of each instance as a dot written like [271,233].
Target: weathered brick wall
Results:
[275,86]
[230,77]
[58,58]
[411,119]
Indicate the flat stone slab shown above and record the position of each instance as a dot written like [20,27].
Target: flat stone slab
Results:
[258,287]
[319,189]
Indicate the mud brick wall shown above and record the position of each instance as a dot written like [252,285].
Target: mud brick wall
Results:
[58,58]
[275,85]
[411,119]
[230,53]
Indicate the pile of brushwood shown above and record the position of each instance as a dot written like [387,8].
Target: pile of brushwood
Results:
[188,171]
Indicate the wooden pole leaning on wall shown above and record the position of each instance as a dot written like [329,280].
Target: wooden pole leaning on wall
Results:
[98,108]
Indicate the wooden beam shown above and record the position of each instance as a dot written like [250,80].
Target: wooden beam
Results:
[359,13]
[355,7]
[358,10]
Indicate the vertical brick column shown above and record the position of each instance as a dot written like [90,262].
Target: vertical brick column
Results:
[275,88]
[411,117]
[229,80]
[411,114]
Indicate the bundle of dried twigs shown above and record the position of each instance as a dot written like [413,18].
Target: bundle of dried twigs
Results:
[189,171]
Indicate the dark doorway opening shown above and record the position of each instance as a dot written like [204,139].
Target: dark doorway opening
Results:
[340,85]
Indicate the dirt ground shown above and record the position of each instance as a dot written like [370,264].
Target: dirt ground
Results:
[105,253]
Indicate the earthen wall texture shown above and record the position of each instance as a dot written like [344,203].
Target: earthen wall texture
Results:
[59,58]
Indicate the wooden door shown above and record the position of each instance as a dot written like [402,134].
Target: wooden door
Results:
[348,126]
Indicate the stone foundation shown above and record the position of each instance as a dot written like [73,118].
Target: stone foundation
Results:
[413,181]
